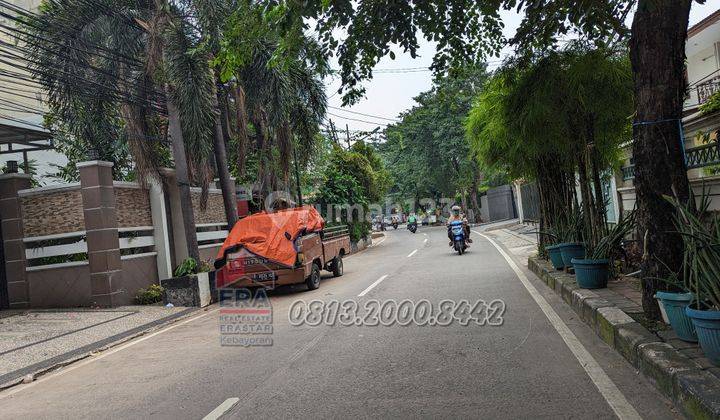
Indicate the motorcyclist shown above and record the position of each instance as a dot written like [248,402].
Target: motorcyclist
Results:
[412,219]
[457,215]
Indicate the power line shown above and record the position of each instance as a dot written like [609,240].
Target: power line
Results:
[358,120]
[364,115]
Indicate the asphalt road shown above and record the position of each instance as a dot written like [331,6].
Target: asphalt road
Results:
[522,368]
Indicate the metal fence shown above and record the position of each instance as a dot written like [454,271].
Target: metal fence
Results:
[530,202]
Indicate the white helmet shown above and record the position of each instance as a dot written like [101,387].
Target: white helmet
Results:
[456,209]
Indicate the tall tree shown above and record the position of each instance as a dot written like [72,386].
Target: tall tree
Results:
[141,59]
[279,92]
[426,151]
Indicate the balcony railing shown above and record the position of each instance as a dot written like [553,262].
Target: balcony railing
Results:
[628,172]
[695,157]
[706,89]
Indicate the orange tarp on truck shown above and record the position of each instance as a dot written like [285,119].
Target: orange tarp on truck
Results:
[271,235]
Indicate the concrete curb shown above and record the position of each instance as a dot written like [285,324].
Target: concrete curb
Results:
[36,370]
[694,390]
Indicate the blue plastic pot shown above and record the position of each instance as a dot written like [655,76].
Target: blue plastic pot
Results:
[675,304]
[570,250]
[707,325]
[591,274]
[555,256]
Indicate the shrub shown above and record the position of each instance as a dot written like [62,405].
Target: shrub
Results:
[152,294]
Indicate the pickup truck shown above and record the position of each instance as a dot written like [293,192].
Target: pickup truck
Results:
[315,251]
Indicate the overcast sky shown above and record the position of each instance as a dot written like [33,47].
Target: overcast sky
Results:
[388,94]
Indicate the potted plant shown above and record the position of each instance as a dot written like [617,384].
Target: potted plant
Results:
[688,222]
[553,247]
[593,271]
[190,286]
[701,263]
[570,236]
[673,304]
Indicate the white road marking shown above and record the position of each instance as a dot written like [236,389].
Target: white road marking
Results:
[221,409]
[425,241]
[425,234]
[412,253]
[617,401]
[369,288]
[91,359]
[379,242]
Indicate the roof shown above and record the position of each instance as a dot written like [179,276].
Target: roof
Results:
[698,27]
[19,139]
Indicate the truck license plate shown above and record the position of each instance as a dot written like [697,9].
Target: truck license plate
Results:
[264,276]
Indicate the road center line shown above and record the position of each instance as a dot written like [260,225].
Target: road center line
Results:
[412,253]
[221,409]
[369,288]
[614,397]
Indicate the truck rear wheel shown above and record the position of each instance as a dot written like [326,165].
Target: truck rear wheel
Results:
[337,266]
[313,281]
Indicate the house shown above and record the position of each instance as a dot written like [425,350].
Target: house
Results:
[22,136]
[700,130]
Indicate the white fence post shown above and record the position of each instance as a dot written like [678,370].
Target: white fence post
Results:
[160,229]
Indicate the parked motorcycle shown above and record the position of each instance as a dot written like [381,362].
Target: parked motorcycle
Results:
[458,235]
[394,224]
[412,227]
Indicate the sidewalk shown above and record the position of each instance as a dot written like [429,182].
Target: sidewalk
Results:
[35,341]
[678,368]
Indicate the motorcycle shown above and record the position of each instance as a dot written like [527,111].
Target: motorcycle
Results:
[394,224]
[458,235]
[412,227]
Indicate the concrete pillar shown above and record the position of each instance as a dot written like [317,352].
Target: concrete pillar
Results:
[161,226]
[101,228]
[18,292]
[518,189]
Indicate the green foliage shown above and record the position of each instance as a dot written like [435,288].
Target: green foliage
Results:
[187,267]
[426,152]
[609,246]
[153,294]
[526,115]
[352,180]
[464,32]
[712,104]
[700,231]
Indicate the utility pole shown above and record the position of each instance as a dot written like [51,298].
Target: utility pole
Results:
[347,135]
[333,134]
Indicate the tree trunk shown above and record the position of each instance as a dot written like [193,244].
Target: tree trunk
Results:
[657,54]
[221,161]
[181,175]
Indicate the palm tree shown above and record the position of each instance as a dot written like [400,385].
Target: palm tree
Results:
[285,102]
[138,61]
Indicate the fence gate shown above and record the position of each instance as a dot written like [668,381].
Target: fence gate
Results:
[530,202]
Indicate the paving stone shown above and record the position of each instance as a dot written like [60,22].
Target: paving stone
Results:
[661,362]
[697,393]
[608,320]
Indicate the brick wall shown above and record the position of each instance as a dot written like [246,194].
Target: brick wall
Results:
[133,207]
[52,213]
[214,213]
